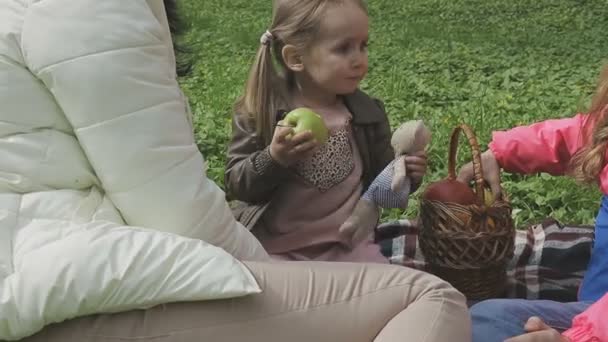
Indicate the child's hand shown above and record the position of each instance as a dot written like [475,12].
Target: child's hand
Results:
[416,165]
[288,150]
[491,172]
[538,331]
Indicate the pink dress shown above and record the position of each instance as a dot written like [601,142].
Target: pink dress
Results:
[304,215]
[591,325]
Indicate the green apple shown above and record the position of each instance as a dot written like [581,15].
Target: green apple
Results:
[304,119]
[488,197]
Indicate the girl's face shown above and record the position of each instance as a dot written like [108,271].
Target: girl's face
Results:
[337,61]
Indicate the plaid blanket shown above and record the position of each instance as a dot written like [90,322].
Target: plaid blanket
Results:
[549,260]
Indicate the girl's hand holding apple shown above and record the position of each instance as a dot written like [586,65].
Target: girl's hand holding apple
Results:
[288,148]
[297,136]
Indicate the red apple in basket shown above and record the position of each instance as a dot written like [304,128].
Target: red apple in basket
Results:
[450,190]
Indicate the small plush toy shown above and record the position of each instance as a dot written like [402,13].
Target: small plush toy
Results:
[391,188]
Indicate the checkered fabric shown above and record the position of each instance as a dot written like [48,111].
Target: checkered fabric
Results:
[549,260]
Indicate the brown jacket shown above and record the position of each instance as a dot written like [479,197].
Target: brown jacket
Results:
[252,176]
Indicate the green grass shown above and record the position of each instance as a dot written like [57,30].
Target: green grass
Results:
[488,63]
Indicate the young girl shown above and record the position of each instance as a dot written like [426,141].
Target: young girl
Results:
[576,146]
[297,192]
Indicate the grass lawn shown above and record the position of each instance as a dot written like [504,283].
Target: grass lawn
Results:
[491,64]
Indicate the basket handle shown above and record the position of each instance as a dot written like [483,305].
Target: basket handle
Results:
[477,168]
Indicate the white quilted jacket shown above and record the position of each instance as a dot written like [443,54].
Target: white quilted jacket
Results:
[104,204]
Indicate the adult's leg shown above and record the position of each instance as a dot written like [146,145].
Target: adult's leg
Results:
[365,252]
[301,301]
[499,319]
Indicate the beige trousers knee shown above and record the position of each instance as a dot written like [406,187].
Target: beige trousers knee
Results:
[301,302]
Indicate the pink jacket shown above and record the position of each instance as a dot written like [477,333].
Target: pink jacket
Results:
[545,146]
[591,325]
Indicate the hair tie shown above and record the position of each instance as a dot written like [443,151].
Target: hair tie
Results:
[266,38]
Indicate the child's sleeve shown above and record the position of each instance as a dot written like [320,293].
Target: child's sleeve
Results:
[251,174]
[590,325]
[545,146]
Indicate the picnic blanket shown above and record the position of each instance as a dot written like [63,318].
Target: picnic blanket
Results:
[548,263]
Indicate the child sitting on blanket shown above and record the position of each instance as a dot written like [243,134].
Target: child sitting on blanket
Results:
[299,193]
[576,146]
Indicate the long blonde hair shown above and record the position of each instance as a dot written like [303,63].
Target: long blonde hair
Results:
[294,22]
[589,161]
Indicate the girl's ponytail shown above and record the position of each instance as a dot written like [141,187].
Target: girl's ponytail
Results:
[262,96]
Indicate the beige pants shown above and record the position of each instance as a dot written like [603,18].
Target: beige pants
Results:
[301,302]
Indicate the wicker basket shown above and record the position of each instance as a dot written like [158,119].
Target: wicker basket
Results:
[468,245]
